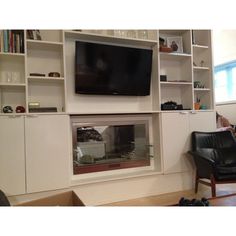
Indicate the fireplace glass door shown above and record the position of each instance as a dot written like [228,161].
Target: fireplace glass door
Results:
[99,147]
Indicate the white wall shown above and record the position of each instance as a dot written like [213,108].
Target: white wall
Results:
[228,111]
[224,46]
[224,50]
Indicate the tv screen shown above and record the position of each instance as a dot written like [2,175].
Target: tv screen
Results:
[107,69]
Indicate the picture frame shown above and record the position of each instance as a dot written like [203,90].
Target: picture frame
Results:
[37,35]
[34,34]
[30,34]
[175,43]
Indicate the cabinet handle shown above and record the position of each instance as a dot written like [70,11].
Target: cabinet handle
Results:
[193,112]
[183,112]
[14,116]
[32,116]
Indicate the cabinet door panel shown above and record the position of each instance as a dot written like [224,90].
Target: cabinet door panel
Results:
[202,121]
[47,152]
[12,157]
[175,131]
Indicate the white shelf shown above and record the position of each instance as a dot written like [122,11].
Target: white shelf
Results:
[12,85]
[114,113]
[31,41]
[41,44]
[12,115]
[175,83]
[84,36]
[201,68]
[174,55]
[200,46]
[12,54]
[202,89]
[45,78]
[173,32]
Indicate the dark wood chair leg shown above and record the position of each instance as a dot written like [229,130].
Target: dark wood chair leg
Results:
[196,182]
[213,186]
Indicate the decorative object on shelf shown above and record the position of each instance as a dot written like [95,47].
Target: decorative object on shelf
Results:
[37,74]
[132,34]
[34,34]
[165,49]
[175,43]
[202,63]
[20,109]
[120,33]
[197,106]
[198,84]
[30,34]
[34,104]
[163,77]
[54,74]
[194,64]
[203,107]
[143,34]
[37,35]
[7,109]
[7,76]
[10,77]
[15,77]
[162,42]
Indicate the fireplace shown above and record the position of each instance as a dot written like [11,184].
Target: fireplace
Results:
[105,143]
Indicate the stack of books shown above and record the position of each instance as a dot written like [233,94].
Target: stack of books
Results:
[12,41]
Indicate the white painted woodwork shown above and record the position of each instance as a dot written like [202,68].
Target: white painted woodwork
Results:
[45,143]
[12,157]
[47,152]
[176,128]
[175,131]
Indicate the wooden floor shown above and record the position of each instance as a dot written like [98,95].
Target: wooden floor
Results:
[173,198]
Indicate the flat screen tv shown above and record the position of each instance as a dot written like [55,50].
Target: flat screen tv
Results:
[112,70]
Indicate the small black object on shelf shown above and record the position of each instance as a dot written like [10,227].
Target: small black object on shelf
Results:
[170,105]
[7,109]
[163,77]
[42,109]
[54,74]
[37,74]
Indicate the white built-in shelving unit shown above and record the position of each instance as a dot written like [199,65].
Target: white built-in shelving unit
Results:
[55,53]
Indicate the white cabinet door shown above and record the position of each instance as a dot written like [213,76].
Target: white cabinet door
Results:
[202,121]
[47,152]
[175,144]
[12,157]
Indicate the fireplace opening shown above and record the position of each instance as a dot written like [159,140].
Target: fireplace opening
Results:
[109,145]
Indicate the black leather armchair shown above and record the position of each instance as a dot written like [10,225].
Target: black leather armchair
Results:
[214,154]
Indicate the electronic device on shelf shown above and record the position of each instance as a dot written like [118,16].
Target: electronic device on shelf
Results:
[112,70]
[170,105]
[42,109]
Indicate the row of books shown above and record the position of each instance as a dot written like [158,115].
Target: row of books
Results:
[12,41]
